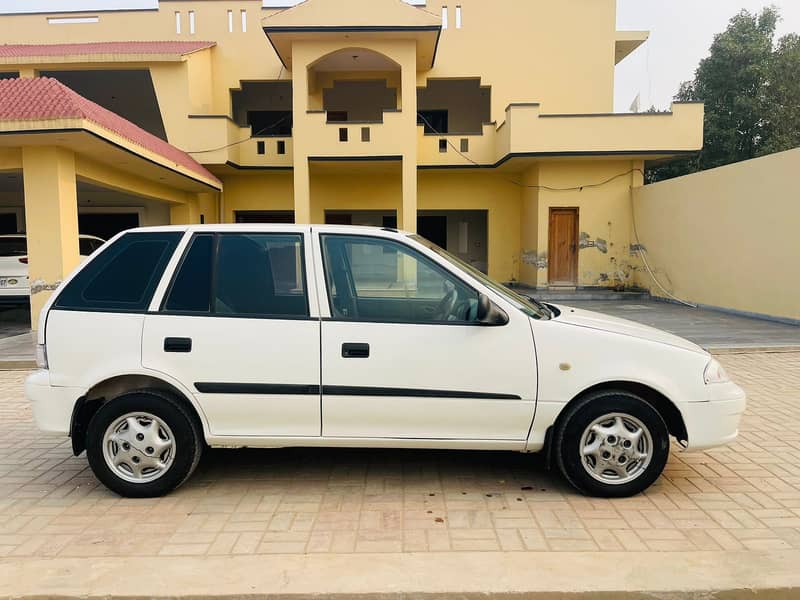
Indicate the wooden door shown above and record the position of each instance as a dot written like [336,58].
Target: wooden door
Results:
[563,247]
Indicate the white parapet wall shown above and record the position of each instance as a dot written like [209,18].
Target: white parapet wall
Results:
[728,237]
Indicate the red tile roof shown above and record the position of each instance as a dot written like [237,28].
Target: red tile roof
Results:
[45,98]
[30,50]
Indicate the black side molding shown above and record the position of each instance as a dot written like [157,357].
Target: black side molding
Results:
[258,388]
[342,390]
[346,390]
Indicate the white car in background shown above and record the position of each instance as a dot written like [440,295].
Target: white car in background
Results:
[15,286]
[173,338]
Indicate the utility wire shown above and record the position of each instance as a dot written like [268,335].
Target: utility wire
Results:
[642,254]
[576,188]
[639,247]
[247,139]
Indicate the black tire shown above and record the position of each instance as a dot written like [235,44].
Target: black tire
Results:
[185,429]
[578,417]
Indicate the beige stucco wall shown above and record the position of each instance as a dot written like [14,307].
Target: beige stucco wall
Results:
[558,53]
[727,237]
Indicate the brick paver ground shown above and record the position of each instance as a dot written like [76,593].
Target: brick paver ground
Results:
[742,497]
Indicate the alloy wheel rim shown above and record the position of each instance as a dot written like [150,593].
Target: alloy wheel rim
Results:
[139,447]
[616,448]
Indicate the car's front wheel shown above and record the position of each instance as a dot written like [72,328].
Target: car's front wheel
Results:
[611,444]
[143,444]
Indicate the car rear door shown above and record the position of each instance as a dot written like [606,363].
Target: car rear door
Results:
[398,362]
[238,326]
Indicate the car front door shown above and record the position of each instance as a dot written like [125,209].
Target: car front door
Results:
[403,355]
[236,329]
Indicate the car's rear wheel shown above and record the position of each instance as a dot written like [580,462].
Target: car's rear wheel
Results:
[611,444]
[143,444]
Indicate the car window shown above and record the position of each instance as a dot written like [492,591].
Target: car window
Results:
[260,275]
[124,276]
[241,274]
[13,246]
[191,288]
[88,245]
[383,280]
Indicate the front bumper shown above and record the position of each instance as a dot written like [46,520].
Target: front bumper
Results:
[52,406]
[715,422]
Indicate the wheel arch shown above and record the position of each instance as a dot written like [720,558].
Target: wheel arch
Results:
[665,407]
[115,386]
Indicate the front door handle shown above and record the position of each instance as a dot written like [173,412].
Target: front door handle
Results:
[176,344]
[355,350]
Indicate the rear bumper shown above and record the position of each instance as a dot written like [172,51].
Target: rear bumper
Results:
[15,295]
[21,287]
[52,406]
[715,422]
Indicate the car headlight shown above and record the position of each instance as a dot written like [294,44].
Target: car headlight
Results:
[715,373]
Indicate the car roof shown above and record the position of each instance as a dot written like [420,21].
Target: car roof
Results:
[274,227]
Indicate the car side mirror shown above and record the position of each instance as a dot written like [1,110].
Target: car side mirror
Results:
[489,313]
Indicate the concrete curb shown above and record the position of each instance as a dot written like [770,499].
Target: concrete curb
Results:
[547,575]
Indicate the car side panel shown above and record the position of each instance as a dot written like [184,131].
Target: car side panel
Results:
[84,347]
[573,359]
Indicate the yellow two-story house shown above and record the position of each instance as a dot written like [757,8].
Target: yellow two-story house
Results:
[485,125]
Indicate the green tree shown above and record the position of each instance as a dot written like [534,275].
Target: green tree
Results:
[750,88]
[783,95]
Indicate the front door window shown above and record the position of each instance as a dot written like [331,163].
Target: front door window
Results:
[375,279]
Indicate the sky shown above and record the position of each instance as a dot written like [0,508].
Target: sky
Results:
[681,31]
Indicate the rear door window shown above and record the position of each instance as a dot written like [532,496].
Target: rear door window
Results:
[191,288]
[124,277]
[241,275]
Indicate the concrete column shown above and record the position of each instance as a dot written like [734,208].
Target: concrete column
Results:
[408,85]
[530,259]
[302,190]
[51,215]
[208,207]
[28,72]
[184,214]
[301,136]
[408,217]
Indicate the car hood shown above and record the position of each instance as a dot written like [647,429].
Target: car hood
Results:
[594,320]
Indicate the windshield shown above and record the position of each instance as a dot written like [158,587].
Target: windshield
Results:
[529,306]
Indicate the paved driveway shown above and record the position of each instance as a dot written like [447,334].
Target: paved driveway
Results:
[246,502]
[708,328]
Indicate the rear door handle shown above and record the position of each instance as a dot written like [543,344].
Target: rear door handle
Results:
[176,344]
[355,350]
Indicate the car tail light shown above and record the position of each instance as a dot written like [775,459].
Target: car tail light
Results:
[41,356]
[24,260]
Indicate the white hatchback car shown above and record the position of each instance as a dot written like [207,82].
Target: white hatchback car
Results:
[269,336]
[15,286]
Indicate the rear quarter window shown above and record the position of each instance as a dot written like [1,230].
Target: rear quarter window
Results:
[123,277]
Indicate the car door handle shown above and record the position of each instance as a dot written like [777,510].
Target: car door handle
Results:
[176,344]
[355,350]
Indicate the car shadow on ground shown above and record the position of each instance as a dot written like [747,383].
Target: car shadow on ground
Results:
[14,320]
[378,470]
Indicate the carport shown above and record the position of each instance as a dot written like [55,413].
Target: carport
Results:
[75,159]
